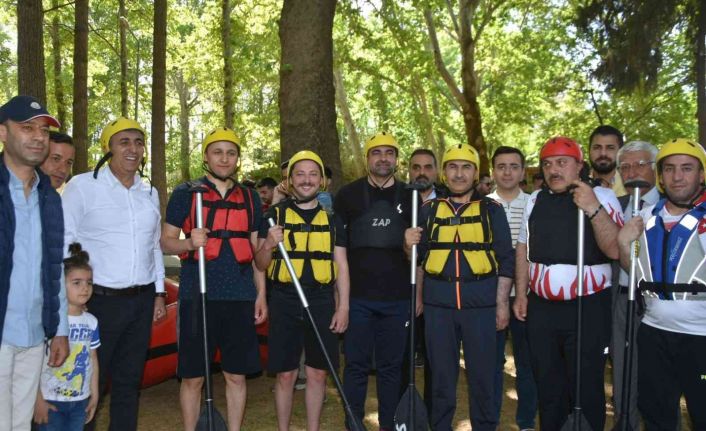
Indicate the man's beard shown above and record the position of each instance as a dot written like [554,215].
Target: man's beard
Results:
[423,181]
[603,169]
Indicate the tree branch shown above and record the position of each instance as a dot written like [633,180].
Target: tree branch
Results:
[454,19]
[439,61]
[52,9]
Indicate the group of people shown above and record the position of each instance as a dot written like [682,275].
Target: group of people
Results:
[489,262]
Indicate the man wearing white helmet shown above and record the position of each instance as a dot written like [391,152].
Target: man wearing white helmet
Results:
[235,289]
[316,244]
[672,278]
[116,218]
[376,210]
[468,260]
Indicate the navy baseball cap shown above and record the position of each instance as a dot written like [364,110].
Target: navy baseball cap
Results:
[25,108]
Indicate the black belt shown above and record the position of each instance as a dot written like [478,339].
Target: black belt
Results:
[126,291]
[462,279]
[623,290]
[307,286]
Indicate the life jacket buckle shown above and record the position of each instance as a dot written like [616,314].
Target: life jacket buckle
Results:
[454,221]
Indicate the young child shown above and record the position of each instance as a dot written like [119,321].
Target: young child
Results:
[68,395]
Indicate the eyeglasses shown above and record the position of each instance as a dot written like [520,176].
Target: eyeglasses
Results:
[637,166]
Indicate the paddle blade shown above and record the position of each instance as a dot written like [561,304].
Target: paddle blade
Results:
[576,422]
[219,424]
[403,417]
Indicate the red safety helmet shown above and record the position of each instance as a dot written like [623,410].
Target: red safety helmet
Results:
[561,146]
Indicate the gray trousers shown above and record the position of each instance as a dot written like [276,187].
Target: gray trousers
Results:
[617,348]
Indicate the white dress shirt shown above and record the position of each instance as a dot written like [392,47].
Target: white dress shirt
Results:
[119,227]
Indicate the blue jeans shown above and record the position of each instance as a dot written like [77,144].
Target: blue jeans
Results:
[69,416]
[379,325]
[524,382]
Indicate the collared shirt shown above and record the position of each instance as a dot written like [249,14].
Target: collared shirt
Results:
[119,227]
[649,199]
[616,184]
[513,210]
[23,319]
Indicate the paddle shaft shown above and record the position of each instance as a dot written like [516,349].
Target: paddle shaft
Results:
[204,319]
[579,312]
[355,426]
[630,326]
[413,310]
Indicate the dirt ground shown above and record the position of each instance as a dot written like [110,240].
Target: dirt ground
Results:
[159,405]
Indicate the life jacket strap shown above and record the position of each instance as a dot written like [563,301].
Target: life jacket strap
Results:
[668,288]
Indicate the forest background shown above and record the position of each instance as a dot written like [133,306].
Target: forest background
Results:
[327,75]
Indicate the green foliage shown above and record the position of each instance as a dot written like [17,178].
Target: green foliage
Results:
[536,74]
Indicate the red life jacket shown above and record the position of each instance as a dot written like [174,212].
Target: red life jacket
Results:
[228,218]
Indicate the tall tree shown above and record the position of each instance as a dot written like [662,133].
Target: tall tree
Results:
[185,107]
[30,49]
[80,103]
[227,64]
[122,25]
[307,96]
[159,95]
[467,95]
[629,36]
[351,132]
[56,60]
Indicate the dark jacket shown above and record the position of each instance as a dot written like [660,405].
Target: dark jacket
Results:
[52,218]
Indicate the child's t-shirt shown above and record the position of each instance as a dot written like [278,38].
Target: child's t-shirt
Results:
[72,381]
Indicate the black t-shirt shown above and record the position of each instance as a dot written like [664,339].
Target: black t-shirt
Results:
[307,278]
[376,274]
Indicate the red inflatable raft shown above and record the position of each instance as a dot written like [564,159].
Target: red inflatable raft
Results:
[161,362]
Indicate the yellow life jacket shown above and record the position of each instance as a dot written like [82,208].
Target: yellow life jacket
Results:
[312,242]
[466,229]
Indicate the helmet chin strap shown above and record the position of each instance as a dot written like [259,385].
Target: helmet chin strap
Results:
[298,200]
[218,177]
[461,194]
[384,183]
[691,203]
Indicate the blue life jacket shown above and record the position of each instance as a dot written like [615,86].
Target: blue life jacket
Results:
[673,263]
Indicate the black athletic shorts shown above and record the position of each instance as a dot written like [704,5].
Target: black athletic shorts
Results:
[290,330]
[231,328]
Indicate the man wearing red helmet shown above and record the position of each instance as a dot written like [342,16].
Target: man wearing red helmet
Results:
[546,264]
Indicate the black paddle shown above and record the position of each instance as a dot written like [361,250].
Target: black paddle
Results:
[576,420]
[411,413]
[354,423]
[624,421]
[209,419]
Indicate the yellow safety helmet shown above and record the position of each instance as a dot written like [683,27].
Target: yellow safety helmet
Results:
[306,155]
[380,140]
[679,146]
[460,152]
[220,134]
[116,126]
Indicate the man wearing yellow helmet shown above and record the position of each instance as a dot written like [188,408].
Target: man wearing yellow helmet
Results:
[236,289]
[376,210]
[315,242]
[672,278]
[468,261]
[116,217]
[546,257]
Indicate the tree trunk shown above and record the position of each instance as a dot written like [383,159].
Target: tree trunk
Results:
[307,96]
[467,95]
[701,71]
[122,25]
[159,85]
[184,127]
[56,57]
[80,104]
[353,138]
[227,65]
[31,80]
[440,138]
